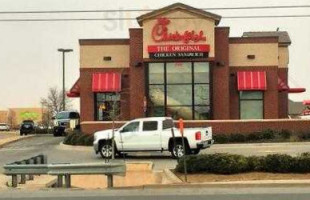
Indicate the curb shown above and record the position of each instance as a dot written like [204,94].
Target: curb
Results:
[16,139]
[171,176]
[269,183]
[63,146]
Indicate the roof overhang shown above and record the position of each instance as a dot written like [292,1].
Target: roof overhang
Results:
[179,6]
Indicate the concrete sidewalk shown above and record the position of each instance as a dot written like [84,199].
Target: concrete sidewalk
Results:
[10,137]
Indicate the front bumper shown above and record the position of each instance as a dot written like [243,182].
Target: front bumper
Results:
[96,146]
[205,144]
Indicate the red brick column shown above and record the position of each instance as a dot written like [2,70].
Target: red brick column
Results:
[220,75]
[137,74]
[283,96]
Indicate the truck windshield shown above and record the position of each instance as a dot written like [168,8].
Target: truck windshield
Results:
[62,115]
[168,123]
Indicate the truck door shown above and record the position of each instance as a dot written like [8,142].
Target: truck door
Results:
[150,136]
[128,136]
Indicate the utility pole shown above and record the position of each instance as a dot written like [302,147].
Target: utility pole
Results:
[63,76]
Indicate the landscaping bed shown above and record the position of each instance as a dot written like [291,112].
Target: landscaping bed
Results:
[251,176]
[79,138]
[232,167]
[267,135]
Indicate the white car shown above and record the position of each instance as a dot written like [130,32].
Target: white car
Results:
[4,127]
[152,134]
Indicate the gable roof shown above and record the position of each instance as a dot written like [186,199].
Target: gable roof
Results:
[283,36]
[181,6]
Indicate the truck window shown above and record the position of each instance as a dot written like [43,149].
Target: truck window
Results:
[132,127]
[74,115]
[150,126]
[168,123]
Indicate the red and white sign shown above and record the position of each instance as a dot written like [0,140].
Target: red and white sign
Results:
[160,33]
[178,48]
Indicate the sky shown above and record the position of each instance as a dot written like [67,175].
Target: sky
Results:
[30,62]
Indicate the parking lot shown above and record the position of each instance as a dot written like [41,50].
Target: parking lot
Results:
[57,153]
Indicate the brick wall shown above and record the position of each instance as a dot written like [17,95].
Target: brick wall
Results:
[87,96]
[283,96]
[271,100]
[220,75]
[137,73]
[222,126]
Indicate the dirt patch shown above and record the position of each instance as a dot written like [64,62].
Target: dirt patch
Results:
[201,178]
[137,174]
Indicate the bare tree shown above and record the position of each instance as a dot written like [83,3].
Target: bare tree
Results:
[53,104]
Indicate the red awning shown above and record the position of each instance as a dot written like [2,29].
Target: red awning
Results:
[306,102]
[75,90]
[252,80]
[106,82]
[282,86]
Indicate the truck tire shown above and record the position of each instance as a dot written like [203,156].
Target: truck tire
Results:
[177,150]
[105,150]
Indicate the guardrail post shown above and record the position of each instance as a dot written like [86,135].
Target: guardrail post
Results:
[110,180]
[59,181]
[14,180]
[43,158]
[23,176]
[31,162]
[68,180]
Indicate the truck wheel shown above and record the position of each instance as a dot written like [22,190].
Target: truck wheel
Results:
[178,151]
[106,149]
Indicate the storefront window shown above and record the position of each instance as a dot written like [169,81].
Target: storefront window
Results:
[107,106]
[179,90]
[251,105]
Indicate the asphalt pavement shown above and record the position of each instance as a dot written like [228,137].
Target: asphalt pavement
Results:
[229,193]
[49,145]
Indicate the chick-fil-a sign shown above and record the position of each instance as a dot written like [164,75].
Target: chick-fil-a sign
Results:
[160,33]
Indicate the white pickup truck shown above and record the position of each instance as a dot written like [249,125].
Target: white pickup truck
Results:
[152,134]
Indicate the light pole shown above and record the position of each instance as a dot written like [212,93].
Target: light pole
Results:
[63,76]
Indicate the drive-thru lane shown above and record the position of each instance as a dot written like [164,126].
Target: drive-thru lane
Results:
[49,145]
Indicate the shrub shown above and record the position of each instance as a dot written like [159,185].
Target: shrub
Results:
[255,163]
[79,138]
[254,136]
[302,163]
[231,164]
[285,134]
[221,138]
[304,135]
[237,138]
[279,163]
[268,134]
[214,163]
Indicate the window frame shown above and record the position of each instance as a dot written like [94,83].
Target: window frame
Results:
[157,125]
[192,84]
[253,99]
[96,118]
[134,122]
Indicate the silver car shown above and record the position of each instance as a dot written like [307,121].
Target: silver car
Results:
[4,127]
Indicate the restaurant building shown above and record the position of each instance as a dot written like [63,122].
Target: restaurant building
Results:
[180,63]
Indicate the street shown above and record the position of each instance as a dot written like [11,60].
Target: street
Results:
[218,193]
[49,145]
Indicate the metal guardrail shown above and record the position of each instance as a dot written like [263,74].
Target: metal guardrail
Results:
[37,165]
[66,170]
